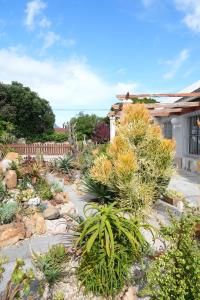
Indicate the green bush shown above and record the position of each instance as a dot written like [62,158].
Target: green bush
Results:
[58,137]
[8,211]
[175,275]
[51,264]
[110,243]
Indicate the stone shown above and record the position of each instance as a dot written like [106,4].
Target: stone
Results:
[11,234]
[4,165]
[40,227]
[67,208]
[34,201]
[13,156]
[51,213]
[30,226]
[56,226]
[11,179]
[62,197]
[131,294]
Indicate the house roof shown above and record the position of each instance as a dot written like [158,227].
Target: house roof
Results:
[61,130]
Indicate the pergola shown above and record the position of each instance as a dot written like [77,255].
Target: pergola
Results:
[159,109]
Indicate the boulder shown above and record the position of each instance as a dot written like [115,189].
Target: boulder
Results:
[34,201]
[62,197]
[30,226]
[51,213]
[67,208]
[11,234]
[40,227]
[56,226]
[13,156]
[11,179]
[4,165]
[131,294]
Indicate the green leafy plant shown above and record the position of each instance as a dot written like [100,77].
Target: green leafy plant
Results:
[3,260]
[65,164]
[8,211]
[110,240]
[51,263]
[174,194]
[59,295]
[19,285]
[175,274]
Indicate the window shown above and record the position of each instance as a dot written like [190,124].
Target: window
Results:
[194,135]
[167,130]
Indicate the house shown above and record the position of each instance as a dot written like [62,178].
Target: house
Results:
[179,120]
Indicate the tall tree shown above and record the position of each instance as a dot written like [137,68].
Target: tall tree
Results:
[30,114]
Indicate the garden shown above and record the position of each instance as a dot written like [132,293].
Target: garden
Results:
[109,250]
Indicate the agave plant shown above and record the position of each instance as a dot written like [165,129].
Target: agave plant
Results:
[65,164]
[101,192]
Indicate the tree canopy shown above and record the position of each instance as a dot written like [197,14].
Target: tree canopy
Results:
[29,114]
[85,125]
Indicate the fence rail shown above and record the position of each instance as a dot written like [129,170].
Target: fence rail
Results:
[41,148]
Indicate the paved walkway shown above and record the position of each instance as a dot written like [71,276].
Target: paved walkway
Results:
[189,185]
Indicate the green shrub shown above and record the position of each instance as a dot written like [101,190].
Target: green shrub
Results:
[110,243]
[175,275]
[8,211]
[57,137]
[3,260]
[51,264]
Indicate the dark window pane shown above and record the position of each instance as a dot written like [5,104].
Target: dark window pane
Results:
[167,130]
[194,136]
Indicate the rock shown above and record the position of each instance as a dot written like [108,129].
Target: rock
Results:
[11,179]
[67,208]
[56,226]
[13,156]
[131,294]
[40,227]
[4,165]
[11,234]
[62,197]
[30,226]
[34,201]
[51,213]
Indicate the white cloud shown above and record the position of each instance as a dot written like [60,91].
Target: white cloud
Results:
[147,3]
[49,39]
[33,8]
[191,9]
[45,23]
[70,84]
[176,64]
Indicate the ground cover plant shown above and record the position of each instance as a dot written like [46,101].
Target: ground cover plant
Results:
[110,243]
[51,264]
[175,274]
[7,212]
[138,163]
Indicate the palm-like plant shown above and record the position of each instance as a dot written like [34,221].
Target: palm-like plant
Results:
[110,240]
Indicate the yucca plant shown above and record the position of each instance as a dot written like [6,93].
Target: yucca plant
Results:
[110,240]
[65,164]
[101,192]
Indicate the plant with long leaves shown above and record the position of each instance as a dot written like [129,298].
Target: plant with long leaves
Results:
[65,164]
[110,240]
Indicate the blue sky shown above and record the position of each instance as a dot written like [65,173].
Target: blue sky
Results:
[79,54]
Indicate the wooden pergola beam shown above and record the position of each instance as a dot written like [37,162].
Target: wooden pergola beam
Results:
[181,95]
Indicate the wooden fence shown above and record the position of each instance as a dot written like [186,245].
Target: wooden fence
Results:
[41,148]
